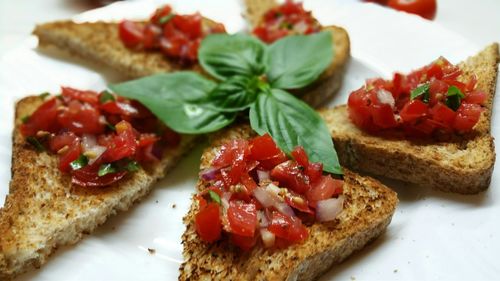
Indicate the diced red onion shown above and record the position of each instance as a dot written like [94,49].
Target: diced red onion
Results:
[263,175]
[208,174]
[262,219]
[268,238]
[285,209]
[90,147]
[386,97]
[328,209]
[265,197]
[225,200]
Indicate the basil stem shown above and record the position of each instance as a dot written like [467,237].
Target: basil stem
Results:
[79,163]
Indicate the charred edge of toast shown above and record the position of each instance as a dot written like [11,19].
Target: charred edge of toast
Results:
[33,226]
[368,210]
[461,165]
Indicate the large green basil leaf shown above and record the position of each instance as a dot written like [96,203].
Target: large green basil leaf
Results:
[234,94]
[296,61]
[291,122]
[223,56]
[174,99]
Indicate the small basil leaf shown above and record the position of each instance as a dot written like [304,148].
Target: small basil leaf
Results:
[105,169]
[79,163]
[454,97]
[291,122]
[422,90]
[36,143]
[174,99]
[105,97]
[132,166]
[44,95]
[223,56]
[296,61]
[25,118]
[163,20]
[234,94]
[214,196]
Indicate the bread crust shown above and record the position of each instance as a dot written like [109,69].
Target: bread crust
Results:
[463,164]
[367,212]
[44,211]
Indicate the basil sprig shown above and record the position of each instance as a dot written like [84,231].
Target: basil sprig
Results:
[251,75]
[422,90]
[453,97]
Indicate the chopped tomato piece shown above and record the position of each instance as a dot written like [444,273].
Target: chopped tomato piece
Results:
[208,223]
[324,189]
[242,218]
[43,119]
[124,143]
[413,110]
[83,96]
[288,228]
[300,155]
[244,242]
[424,8]
[467,116]
[291,175]
[81,118]
[130,33]
[71,154]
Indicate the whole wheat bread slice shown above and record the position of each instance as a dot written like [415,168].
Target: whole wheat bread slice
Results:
[44,211]
[368,210]
[99,42]
[463,164]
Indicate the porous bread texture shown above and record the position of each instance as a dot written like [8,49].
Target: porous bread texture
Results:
[368,209]
[462,164]
[43,210]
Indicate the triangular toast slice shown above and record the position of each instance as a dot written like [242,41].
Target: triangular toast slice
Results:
[463,165]
[99,42]
[367,212]
[44,211]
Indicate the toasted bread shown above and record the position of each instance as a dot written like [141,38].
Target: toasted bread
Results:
[330,81]
[99,42]
[44,211]
[367,211]
[463,164]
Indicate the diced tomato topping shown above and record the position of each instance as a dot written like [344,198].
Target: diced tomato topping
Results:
[288,228]
[177,36]
[324,189]
[208,223]
[265,194]
[286,19]
[96,129]
[242,218]
[425,102]
[43,119]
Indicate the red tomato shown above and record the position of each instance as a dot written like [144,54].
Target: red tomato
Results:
[383,116]
[290,174]
[288,228]
[413,110]
[443,115]
[476,97]
[124,143]
[242,218]
[130,33]
[467,116]
[244,242]
[61,140]
[190,25]
[300,155]
[314,171]
[424,8]
[81,118]
[160,13]
[83,96]
[44,119]
[324,189]
[88,177]
[208,223]
[73,152]
[298,201]
[263,147]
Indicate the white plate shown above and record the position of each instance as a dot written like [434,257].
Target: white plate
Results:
[433,235]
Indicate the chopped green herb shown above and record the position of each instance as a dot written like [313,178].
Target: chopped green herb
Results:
[25,118]
[165,19]
[214,196]
[79,163]
[286,25]
[454,97]
[422,90]
[44,95]
[132,166]
[110,126]
[105,169]
[105,97]
[59,97]
[36,143]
